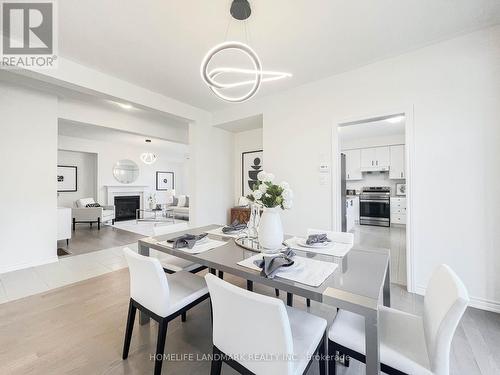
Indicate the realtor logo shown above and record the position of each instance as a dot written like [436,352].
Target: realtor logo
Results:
[28,34]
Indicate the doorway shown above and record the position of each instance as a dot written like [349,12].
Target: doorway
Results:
[372,179]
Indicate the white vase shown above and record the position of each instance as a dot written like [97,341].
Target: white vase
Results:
[270,230]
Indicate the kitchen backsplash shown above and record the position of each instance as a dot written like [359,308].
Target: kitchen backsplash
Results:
[374,179]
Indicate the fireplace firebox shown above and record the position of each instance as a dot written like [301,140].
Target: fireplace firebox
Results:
[126,206]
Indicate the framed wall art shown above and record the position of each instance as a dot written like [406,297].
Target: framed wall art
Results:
[67,180]
[251,165]
[165,181]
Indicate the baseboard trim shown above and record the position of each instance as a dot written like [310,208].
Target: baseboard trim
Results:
[20,266]
[476,302]
[484,304]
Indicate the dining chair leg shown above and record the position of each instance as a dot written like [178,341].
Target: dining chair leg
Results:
[183,316]
[289,299]
[277,292]
[216,361]
[160,345]
[322,357]
[128,332]
[332,352]
[308,302]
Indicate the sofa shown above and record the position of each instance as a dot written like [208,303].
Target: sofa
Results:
[82,213]
[180,204]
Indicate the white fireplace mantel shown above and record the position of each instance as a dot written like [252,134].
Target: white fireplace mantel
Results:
[125,190]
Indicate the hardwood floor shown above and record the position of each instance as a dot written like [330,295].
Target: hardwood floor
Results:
[85,239]
[78,329]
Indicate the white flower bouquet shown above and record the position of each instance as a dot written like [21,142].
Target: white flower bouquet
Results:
[270,195]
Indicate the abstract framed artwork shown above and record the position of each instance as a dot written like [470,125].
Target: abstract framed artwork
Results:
[67,179]
[165,181]
[251,165]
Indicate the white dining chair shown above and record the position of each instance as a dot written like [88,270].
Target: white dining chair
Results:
[171,263]
[409,344]
[160,296]
[256,334]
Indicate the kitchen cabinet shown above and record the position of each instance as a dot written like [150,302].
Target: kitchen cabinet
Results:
[398,210]
[375,157]
[397,170]
[353,165]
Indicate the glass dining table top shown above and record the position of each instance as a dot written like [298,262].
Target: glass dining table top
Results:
[360,274]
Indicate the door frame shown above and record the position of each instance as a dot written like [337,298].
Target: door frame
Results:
[336,219]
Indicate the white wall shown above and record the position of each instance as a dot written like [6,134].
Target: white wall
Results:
[109,153]
[28,183]
[250,140]
[453,88]
[211,174]
[86,164]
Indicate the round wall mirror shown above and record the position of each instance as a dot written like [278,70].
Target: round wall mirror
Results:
[126,171]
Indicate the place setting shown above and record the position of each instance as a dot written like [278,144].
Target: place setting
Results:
[193,243]
[321,242]
[233,230]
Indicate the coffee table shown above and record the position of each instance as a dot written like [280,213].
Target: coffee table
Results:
[163,214]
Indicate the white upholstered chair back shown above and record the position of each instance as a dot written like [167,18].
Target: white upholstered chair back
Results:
[148,283]
[82,202]
[444,304]
[247,323]
[341,237]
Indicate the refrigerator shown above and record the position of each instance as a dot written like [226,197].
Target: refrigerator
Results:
[343,188]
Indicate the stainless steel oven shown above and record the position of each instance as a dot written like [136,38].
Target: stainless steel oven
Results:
[375,206]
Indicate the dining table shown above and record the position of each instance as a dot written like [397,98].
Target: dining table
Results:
[359,284]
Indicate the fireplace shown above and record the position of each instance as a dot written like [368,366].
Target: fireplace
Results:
[126,206]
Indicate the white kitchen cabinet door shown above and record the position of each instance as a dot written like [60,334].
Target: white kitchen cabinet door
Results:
[397,169]
[353,165]
[383,156]
[368,157]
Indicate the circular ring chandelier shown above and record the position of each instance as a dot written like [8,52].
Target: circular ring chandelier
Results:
[257,74]
[240,10]
[148,157]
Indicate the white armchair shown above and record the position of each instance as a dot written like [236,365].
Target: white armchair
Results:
[83,214]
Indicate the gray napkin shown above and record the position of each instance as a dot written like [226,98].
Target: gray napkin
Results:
[235,226]
[271,265]
[186,240]
[317,238]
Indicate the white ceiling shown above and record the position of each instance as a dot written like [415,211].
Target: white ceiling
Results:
[159,44]
[103,134]
[244,124]
[371,129]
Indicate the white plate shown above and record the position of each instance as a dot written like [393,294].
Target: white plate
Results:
[324,245]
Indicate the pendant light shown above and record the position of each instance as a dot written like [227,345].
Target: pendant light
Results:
[148,157]
[253,78]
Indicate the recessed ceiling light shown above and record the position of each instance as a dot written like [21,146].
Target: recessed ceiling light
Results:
[395,119]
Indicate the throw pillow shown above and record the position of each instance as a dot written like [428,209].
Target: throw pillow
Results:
[182,201]
[93,205]
[175,200]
